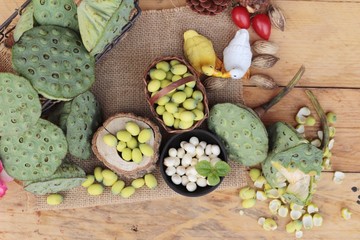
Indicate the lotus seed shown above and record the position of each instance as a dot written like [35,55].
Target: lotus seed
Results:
[127,192]
[170,171]
[54,199]
[98,174]
[117,187]
[176,179]
[172,152]
[191,186]
[150,181]
[95,189]
[110,140]
[138,183]
[184,180]
[90,179]
[132,128]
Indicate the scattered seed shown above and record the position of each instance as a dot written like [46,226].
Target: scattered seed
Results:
[358,202]
[354,189]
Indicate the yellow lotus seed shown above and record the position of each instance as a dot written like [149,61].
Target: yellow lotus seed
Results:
[176,115]
[98,174]
[171,107]
[110,140]
[127,192]
[187,116]
[269,224]
[145,135]
[254,174]
[346,213]
[191,84]
[123,135]
[138,183]
[150,181]
[174,62]
[153,85]
[158,74]
[248,203]
[90,179]
[109,182]
[200,106]
[146,149]
[132,128]
[117,187]
[132,143]
[190,104]
[126,154]
[54,199]
[176,78]
[121,145]
[176,123]
[197,95]
[247,193]
[198,114]
[331,117]
[187,75]
[169,75]
[310,121]
[185,125]
[178,69]
[160,110]
[108,174]
[165,83]
[168,119]
[178,97]
[95,189]
[163,100]
[188,91]
[136,155]
[163,65]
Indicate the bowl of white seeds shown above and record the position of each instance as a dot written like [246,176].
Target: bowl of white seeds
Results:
[181,162]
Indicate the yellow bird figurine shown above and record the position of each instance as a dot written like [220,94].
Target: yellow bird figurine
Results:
[200,53]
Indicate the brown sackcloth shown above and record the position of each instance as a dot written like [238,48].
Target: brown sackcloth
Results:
[119,88]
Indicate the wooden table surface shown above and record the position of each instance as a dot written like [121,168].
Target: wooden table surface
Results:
[322,35]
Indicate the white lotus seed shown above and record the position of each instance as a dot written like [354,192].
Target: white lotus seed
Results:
[172,152]
[176,179]
[184,180]
[186,160]
[199,151]
[180,170]
[194,141]
[201,182]
[190,148]
[177,161]
[211,156]
[208,149]
[182,144]
[215,149]
[170,171]
[191,186]
[203,144]
[191,171]
[169,161]
[180,152]
[192,178]
[204,158]
[214,161]
[194,161]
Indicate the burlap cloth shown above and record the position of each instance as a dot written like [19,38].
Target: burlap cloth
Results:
[119,88]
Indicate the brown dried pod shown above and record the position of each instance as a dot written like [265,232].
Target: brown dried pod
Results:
[277,17]
[264,61]
[212,83]
[263,81]
[255,6]
[265,47]
[208,7]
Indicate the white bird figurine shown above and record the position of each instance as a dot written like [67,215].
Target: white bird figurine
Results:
[237,55]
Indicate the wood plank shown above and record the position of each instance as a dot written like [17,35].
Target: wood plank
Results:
[215,216]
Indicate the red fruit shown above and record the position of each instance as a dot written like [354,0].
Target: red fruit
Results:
[262,25]
[241,17]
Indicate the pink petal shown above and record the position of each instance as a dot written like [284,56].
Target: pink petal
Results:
[1,166]
[5,177]
[3,189]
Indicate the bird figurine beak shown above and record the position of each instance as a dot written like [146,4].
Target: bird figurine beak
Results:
[226,75]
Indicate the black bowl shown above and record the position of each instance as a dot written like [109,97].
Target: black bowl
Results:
[174,142]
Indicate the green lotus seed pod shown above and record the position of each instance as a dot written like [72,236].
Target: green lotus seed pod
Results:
[98,174]
[138,183]
[126,154]
[176,123]
[187,116]
[188,91]
[123,135]
[171,107]
[165,83]
[110,140]
[90,179]
[178,97]
[163,100]
[185,125]
[157,74]
[132,143]
[168,119]
[108,174]
[174,62]
[179,69]
[254,174]
[150,181]
[121,145]
[160,110]
[200,106]
[331,117]
[197,95]
[136,155]
[117,187]
[54,199]
[95,189]
[190,104]
[153,85]
[198,114]
[163,65]
[109,182]
[146,149]
[127,192]
[132,128]
[248,203]
[145,135]
[169,75]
